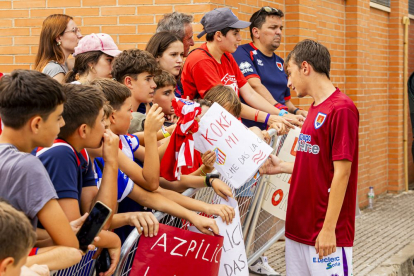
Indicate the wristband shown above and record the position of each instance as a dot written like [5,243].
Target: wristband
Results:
[282,112]
[202,172]
[267,119]
[165,132]
[208,177]
[255,115]
[296,110]
[281,106]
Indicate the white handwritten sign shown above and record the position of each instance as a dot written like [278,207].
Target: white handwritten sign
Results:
[239,152]
[233,254]
[277,190]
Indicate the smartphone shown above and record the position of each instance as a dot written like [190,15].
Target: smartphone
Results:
[93,224]
[103,262]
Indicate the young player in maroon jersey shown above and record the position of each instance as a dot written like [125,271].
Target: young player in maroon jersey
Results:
[320,219]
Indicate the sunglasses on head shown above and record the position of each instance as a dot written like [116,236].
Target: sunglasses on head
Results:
[267,9]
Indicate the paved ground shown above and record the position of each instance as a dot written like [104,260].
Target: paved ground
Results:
[380,234]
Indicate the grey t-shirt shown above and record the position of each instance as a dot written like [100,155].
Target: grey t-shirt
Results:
[24,182]
[137,122]
[53,68]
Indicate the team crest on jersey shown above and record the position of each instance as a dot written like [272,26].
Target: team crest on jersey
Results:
[320,119]
[279,65]
[220,156]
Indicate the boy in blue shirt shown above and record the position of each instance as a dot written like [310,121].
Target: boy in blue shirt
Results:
[69,166]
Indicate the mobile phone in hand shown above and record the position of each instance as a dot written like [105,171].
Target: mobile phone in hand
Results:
[93,224]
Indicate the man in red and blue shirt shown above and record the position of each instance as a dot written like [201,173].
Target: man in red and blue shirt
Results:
[262,68]
[320,218]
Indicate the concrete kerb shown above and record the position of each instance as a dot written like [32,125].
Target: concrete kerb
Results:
[401,264]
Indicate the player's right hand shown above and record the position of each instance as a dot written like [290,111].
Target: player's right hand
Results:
[271,165]
[154,120]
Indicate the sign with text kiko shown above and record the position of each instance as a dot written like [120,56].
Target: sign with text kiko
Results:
[239,152]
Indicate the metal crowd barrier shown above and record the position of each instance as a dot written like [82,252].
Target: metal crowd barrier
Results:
[249,197]
[86,267]
[260,229]
[264,229]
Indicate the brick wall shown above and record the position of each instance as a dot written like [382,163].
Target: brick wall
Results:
[365,45]
[410,71]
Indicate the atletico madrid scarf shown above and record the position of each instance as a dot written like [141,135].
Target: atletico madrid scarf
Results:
[180,156]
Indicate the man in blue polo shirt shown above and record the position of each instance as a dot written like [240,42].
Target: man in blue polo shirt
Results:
[261,66]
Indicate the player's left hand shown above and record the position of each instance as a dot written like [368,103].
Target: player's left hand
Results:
[325,243]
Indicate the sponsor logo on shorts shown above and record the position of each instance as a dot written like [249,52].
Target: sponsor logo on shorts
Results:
[330,262]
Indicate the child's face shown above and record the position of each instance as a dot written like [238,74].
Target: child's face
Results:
[163,97]
[172,58]
[49,129]
[103,67]
[143,88]
[122,118]
[94,135]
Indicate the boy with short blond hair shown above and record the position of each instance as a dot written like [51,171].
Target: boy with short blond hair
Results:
[17,238]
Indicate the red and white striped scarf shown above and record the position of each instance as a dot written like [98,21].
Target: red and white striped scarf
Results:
[180,150]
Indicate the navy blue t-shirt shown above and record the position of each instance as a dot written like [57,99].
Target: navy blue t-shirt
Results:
[254,64]
[141,108]
[69,170]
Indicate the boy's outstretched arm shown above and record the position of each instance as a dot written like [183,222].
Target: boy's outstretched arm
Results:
[151,169]
[226,212]
[163,204]
[145,222]
[192,181]
[57,224]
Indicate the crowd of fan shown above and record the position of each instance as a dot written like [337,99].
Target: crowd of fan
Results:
[93,123]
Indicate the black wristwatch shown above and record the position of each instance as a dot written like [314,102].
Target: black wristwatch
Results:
[209,176]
